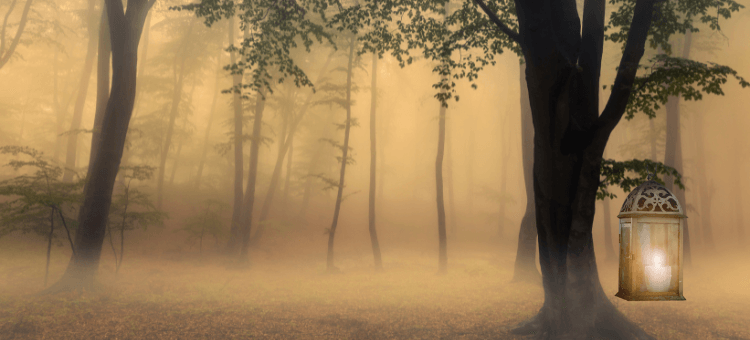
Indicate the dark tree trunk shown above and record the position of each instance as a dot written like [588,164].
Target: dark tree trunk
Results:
[525,265]
[207,134]
[563,68]
[249,201]
[97,193]
[178,81]
[344,157]
[235,231]
[6,54]
[102,85]
[83,88]
[673,153]
[451,220]
[373,165]
[442,236]
[49,243]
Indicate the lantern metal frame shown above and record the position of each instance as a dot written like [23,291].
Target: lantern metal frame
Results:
[651,231]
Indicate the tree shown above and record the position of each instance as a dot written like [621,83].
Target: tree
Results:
[205,223]
[36,199]
[7,52]
[373,166]
[132,208]
[125,33]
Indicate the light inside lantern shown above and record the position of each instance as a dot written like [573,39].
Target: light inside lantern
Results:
[658,276]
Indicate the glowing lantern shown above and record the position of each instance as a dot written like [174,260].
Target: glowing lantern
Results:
[651,222]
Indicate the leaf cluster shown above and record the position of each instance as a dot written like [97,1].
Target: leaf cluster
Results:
[630,174]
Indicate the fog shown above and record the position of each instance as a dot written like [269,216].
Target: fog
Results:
[178,273]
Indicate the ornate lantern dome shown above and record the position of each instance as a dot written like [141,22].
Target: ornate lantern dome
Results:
[651,199]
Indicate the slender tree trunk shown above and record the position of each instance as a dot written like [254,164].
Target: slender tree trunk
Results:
[288,174]
[525,265]
[470,156]
[610,254]
[207,134]
[235,231]
[6,54]
[102,85]
[373,164]
[504,161]
[442,237]
[56,104]
[49,243]
[706,188]
[249,202]
[311,167]
[451,221]
[344,157]
[738,206]
[83,87]
[176,162]
[97,193]
[673,153]
[179,77]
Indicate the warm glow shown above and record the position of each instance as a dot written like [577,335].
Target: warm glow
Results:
[658,276]
[658,259]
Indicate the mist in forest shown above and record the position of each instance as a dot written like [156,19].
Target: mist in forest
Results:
[170,224]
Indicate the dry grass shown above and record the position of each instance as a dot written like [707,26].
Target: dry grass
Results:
[190,297]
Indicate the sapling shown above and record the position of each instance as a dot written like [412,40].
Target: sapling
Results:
[204,223]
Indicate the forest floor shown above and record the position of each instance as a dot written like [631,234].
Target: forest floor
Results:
[197,297]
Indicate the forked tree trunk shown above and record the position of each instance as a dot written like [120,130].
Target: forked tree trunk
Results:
[525,265]
[97,193]
[178,81]
[235,230]
[563,68]
[373,165]
[83,88]
[7,53]
[344,156]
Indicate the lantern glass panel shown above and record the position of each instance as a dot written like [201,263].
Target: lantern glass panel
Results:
[657,257]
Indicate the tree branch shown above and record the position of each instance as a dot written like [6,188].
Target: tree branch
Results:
[4,58]
[499,24]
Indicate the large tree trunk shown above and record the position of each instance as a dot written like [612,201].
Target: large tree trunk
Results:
[525,265]
[6,54]
[249,201]
[673,153]
[102,86]
[204,151]
[235,231]
[97,193]
[344,156]
[373,165]
[563,68]
[178,80]
[83,88]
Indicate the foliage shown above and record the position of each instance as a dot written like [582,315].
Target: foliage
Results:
[616,173]
[33,195]
[206,222]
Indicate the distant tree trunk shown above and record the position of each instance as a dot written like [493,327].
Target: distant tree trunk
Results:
[610,254]
[102,86]
[6,54]
[144,58]
[344,157]
[673,153]
[235,231]
[178,80]
[176,162]
[738,207]
[283,148]
[706,188]
[97,193]
[207,134]
[249,201]
[288,174]
[83,87]
[442,237]
[504,161]
[451,221]
[470,156]
[314,160]
[56,103]
[525,266]
[49,243]
[373,164]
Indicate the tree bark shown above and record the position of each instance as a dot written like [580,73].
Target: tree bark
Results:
[83,87]
[178,80]
[6,54]
[102,86]
[373,165]
[97,193]
[235,231]
[525,265]
[344,157]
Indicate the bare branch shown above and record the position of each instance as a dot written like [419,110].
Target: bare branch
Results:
[499,24]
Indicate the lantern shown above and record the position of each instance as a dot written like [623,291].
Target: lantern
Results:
[651,222]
